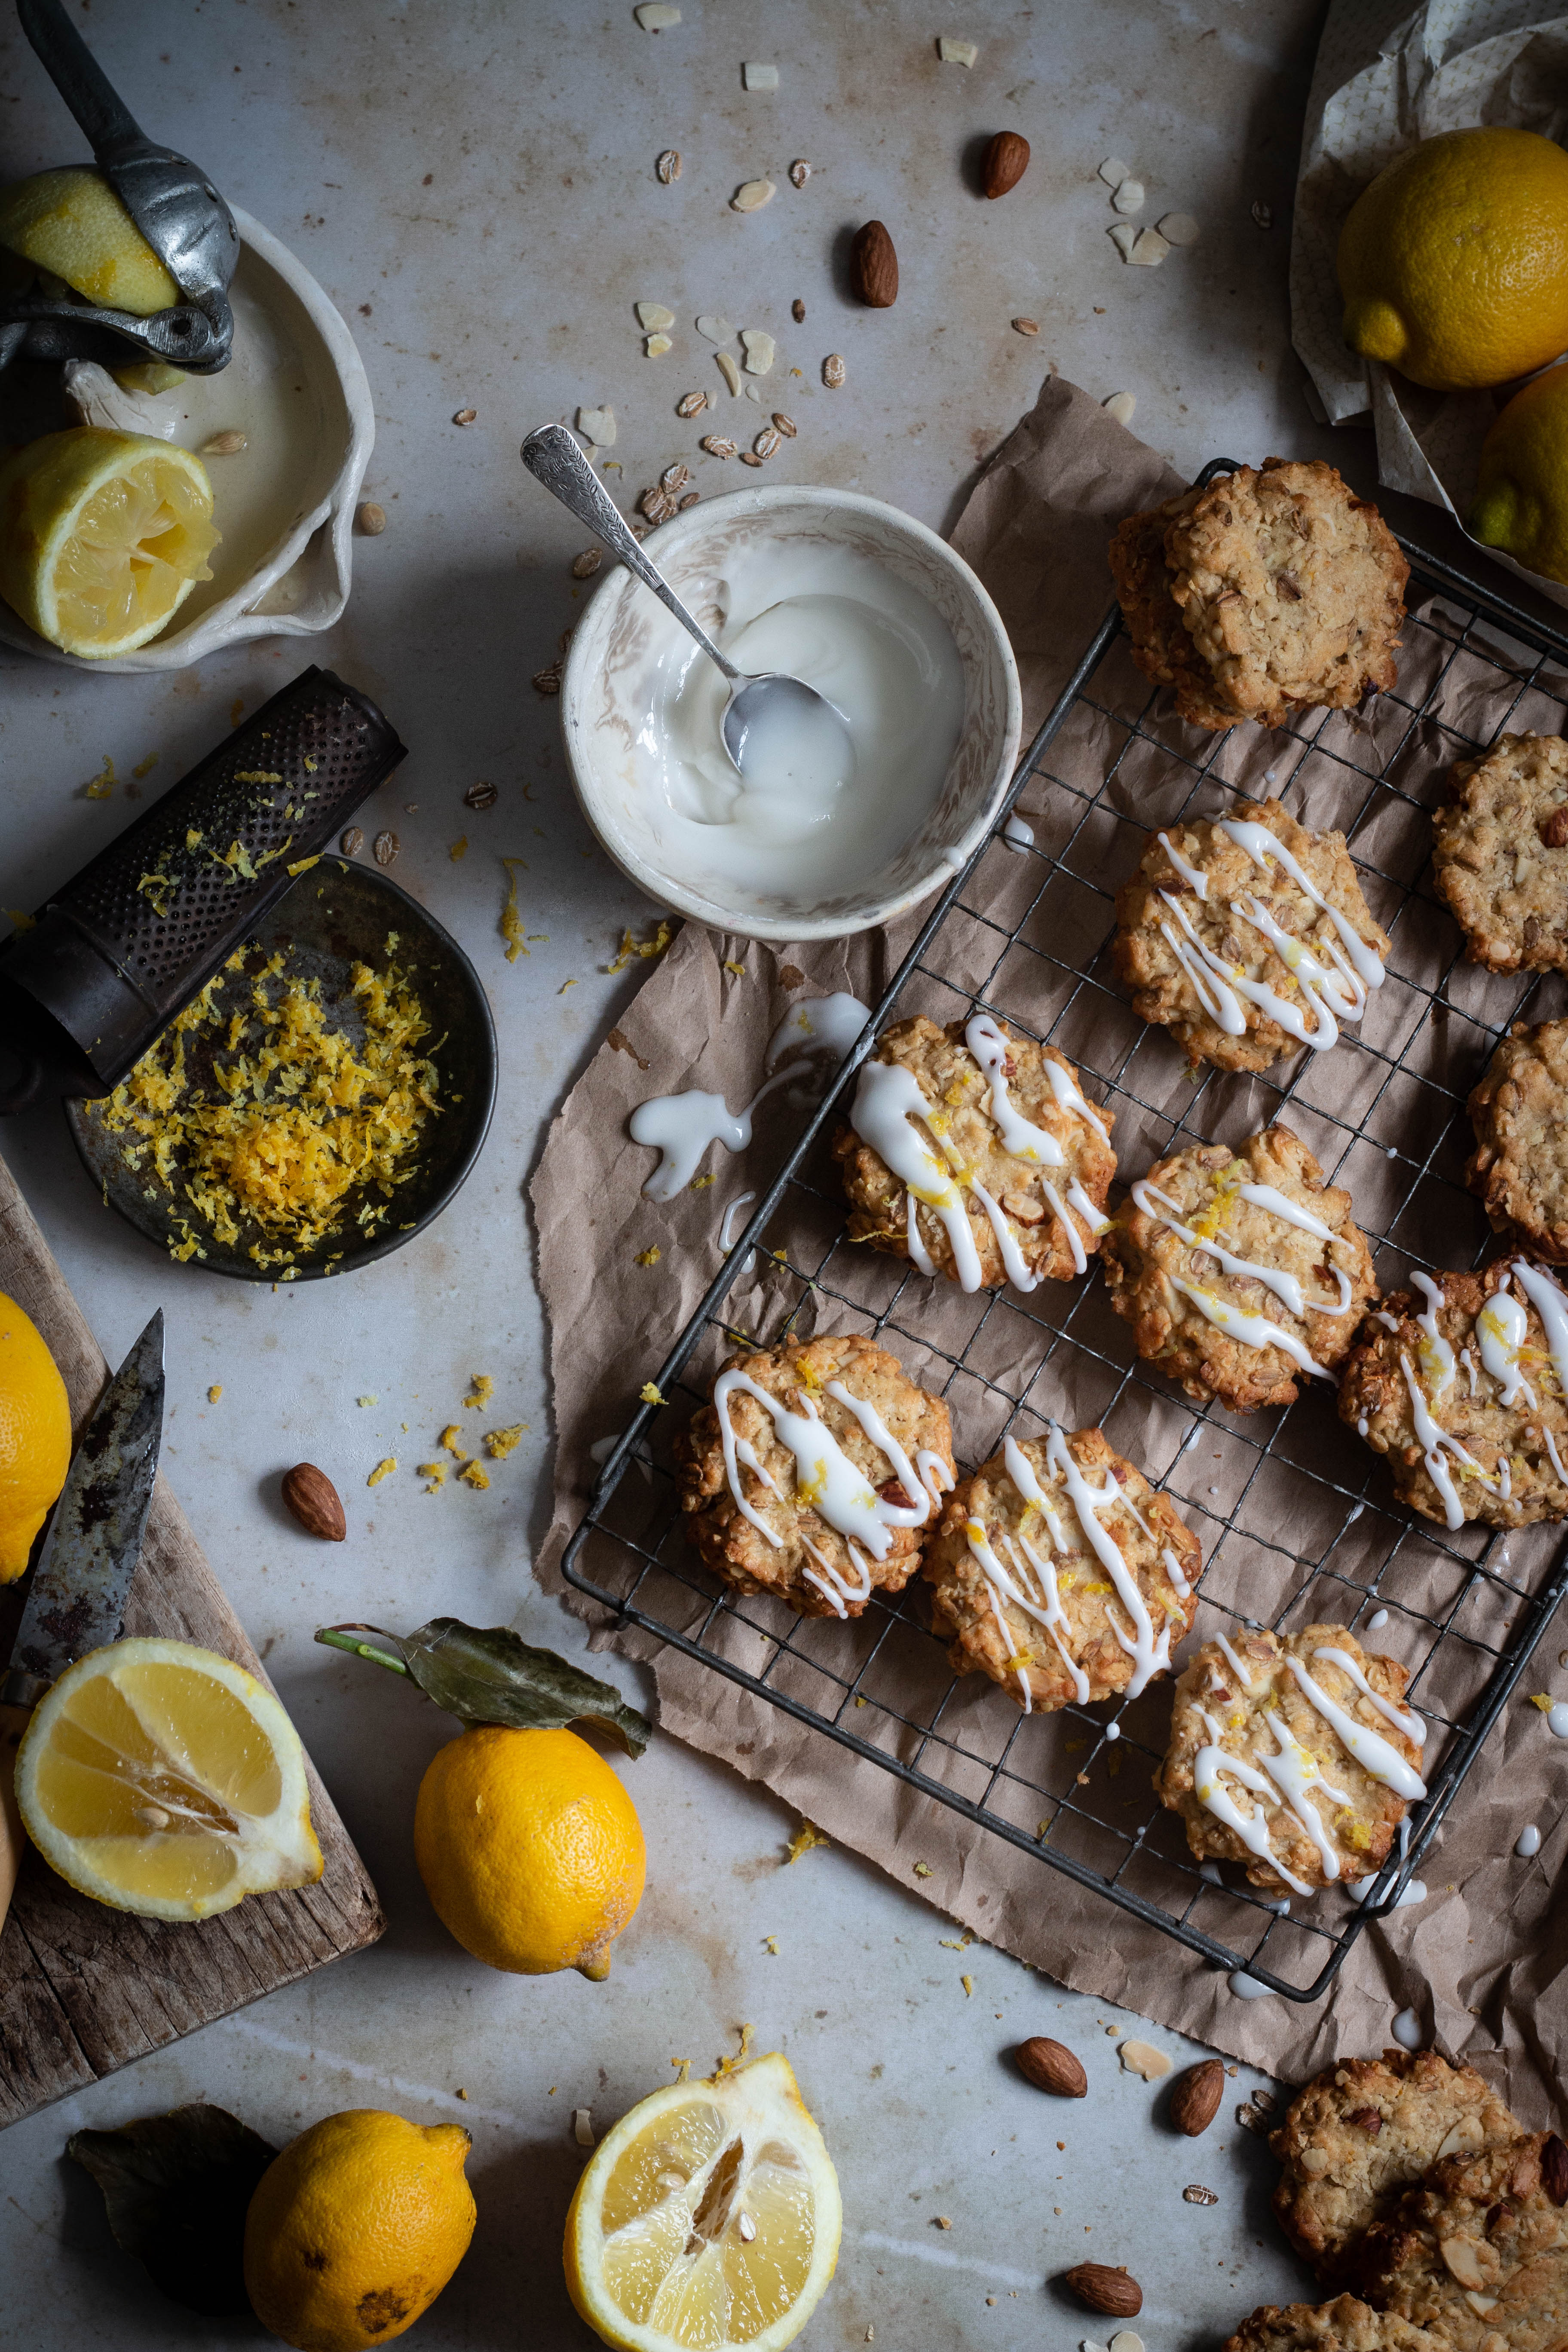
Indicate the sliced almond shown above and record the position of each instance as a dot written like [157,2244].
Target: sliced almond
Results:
[1482,2304]
[654,318]
[655,15]
[758,346]
[1129,197]
[715,330]
[1124,236]
[759,76]
[1463,2259]
[691,403]
[1150,250]
[1464,2140]
[657,346]
[1121,406]
[799,172]
[753,391]
[583,2126]
[729,371]
[1314,2161]
[1113,171]
[752,195]
[1142,2058]
[597,425]
[718,446]
[956,53]
[669,165]
[1178,228]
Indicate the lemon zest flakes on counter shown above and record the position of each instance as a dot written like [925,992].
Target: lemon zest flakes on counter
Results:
[481,1388]
[731,2065]
[500,1443]
[682,2069]
[472,1475]
[451,1437]
[382,1470]
[459,848]
[215,1392]
[296,1118]
[648,1256]
[102,786]
[655,944]
[21,921]
[738,969]
[651,1393]
[511,929]
[304,865]
[436,1474]
[922,1870]
[968,1984]
[804,1838]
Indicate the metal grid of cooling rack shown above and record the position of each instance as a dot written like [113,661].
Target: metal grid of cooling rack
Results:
[1302,1526]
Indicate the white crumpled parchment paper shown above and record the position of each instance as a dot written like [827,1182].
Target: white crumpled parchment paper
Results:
[1387,77]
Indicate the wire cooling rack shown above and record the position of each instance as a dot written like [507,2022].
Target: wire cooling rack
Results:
[1298,1520]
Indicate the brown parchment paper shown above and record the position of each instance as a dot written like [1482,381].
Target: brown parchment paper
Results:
[1481,1960]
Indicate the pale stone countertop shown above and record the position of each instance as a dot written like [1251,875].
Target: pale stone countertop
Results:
[473,185]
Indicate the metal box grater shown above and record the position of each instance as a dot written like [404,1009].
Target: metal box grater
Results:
[128,941]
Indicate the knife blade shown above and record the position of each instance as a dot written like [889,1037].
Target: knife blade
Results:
[80,1587]
[77,1600]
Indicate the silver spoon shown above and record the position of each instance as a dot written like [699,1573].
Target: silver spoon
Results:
[172,201]
[766,702]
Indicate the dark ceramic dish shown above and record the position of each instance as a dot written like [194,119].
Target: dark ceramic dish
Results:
[337,915]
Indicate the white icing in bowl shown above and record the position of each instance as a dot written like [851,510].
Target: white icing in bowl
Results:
[634,709]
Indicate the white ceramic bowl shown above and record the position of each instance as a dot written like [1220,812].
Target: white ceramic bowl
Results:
[608,650]
[286,504]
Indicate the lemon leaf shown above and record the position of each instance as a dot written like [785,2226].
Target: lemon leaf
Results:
[176,2188]
[487,1674]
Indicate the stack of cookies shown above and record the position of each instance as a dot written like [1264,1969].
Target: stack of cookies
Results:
[1436,2220]
[1273,589]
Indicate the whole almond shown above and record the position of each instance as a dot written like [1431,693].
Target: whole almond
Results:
[1554,2169]
[1051,2067]
[1006,161]
[874,268]
[1105,2290]
[1194,2102]
[313,1500]
[1554,829]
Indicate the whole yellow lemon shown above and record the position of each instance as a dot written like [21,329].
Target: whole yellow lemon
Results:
[529,1848]
[355,2228]
[1454,263]
[1522,490]
[35,1436]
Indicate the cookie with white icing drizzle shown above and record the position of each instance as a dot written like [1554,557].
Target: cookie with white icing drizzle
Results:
[974,1154]
[1293,1754]
[1462,1384]
[1343,2326]
[1058,1572]
[1363,2131]
[1241,1272]
[1247,936]
[816,1474]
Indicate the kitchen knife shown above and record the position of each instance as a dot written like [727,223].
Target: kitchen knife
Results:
[77,1599]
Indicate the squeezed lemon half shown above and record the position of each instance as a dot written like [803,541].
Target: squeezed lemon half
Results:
[164,1780]
[102,537]
[708,2217]
[71,223]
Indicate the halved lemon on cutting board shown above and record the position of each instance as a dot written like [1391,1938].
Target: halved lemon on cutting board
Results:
[164,1780]
[708,2217]
[103,535]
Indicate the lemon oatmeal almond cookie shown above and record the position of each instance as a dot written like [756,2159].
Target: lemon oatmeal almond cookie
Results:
[815,1473]
[1162,647]
[1291,587]
[1247,936]
[1239,1271]
[1499,854]
[1293,1754]
[1467,1394]
[976,1110]
[1520,1166]
[1058,1572]
[1478,2253]
[1342,2326]
[1360,2134]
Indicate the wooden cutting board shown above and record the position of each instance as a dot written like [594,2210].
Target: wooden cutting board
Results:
[84,1989]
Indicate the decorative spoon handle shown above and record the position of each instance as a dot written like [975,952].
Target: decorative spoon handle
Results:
[553,459]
